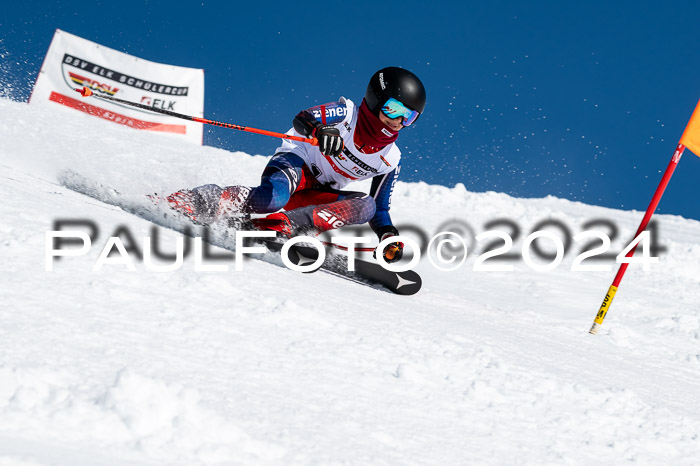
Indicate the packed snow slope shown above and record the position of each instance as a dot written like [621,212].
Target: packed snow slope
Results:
[269,366]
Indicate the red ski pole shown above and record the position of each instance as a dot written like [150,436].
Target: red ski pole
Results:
[86,92]
[345,248]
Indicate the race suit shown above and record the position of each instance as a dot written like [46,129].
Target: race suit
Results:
[308,184]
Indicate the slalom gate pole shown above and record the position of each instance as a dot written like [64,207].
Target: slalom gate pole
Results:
[86,92]
[607,301]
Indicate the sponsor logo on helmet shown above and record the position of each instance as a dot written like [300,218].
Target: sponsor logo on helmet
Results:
[381,81]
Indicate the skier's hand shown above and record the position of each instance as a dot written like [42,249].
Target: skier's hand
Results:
[329,141]
[393,252]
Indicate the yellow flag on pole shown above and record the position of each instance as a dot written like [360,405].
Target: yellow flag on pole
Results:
[691,135]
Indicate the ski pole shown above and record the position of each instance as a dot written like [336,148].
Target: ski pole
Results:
[345,248]
[86,92]
[390,254]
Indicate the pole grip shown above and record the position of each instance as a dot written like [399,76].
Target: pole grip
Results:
[607,301]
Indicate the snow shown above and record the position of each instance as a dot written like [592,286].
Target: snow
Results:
[267,366]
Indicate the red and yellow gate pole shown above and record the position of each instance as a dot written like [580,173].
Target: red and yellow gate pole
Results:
[689,139]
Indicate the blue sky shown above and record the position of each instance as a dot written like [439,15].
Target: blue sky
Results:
[581,101]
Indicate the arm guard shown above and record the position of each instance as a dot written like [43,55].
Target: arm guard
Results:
[305,123]
[381,190]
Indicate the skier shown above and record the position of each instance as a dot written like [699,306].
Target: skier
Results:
[354,143]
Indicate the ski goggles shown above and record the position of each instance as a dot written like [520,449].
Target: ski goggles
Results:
[394,109]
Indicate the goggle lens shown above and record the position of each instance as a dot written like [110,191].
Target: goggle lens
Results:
[394,109]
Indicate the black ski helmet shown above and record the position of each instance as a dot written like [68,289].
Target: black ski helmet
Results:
[398,83]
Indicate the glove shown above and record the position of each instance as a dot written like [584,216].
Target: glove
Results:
[393,252]
[329,141]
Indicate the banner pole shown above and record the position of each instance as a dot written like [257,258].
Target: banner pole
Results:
[607,301]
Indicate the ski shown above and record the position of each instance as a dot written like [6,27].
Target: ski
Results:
[152,209]
[403,283]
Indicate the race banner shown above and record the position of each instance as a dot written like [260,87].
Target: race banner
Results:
[73,63]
